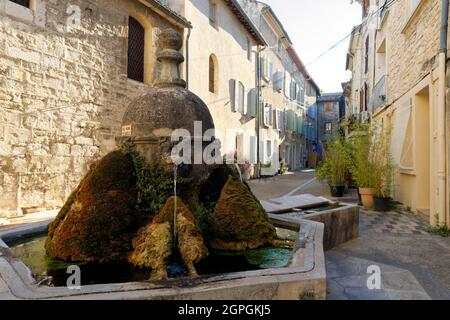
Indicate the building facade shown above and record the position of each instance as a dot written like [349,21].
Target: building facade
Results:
[221,58]
[329,113]
[284,101]
[64,85]
[68,70]
[399,71]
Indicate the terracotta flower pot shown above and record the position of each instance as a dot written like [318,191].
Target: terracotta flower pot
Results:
[367,195]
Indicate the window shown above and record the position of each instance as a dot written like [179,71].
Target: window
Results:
[213,74]
[25,3]
[328,128]
[287,84]
[363,98]
[268,150]
[136,39]
[278,81]
[282,121]
[294,88]
[213,12]
[411,8]
[328,106]
[268,114]
[301,97]
[267,69]
[238,96]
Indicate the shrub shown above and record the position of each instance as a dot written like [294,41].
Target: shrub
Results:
[360,164]
[335,167]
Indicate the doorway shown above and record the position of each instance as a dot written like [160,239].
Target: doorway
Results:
[422,150]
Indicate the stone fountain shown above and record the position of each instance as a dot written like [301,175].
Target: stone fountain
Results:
[125,210]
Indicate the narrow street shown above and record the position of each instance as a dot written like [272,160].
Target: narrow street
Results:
[414,264]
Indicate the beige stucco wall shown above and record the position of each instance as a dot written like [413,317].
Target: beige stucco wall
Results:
[228,42]
[412,58]
[62,94]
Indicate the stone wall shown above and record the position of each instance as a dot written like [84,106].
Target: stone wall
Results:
[327,116]
[62,95]
[412,51]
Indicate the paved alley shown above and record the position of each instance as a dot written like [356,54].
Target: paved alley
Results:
[413,263]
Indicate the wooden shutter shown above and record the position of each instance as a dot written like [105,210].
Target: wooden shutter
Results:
[234,94]
[136,39]
[252,103]
[275,119]
[271,115]
[246,100]
[241,97]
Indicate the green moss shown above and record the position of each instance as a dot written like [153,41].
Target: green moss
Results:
[240,218]
[99,219]
[212,188]
[59,218]
[153,243]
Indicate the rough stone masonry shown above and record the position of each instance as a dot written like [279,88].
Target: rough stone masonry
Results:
[63,91]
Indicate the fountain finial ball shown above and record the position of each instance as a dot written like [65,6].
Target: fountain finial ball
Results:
[170,39]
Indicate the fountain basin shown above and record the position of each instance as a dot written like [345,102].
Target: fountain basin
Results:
[341,222]
[303,278]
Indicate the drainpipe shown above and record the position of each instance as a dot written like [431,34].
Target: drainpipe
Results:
[187,57]
[441,183]
[258,106]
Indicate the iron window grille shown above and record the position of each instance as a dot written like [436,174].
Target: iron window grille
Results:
[136,39]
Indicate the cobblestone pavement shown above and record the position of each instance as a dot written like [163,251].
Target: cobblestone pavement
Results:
[414,264]
[392,222]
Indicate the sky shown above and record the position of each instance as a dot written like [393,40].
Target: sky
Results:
[314,26]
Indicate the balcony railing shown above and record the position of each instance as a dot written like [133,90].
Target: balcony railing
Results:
[379,98]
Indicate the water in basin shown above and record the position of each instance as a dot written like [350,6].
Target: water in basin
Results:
[32,253]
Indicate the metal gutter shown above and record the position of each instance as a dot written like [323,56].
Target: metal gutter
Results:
[171,15]
[442,205]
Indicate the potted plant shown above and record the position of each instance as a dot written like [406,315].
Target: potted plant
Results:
[361,166]
[283,168]
[334,167]
[382,171]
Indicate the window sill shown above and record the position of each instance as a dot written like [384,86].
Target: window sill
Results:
[413,15]
[17,11]
[408,171]
[136,82]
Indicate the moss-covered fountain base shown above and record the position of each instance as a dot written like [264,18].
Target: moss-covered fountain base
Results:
[136,212]
[303,278]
